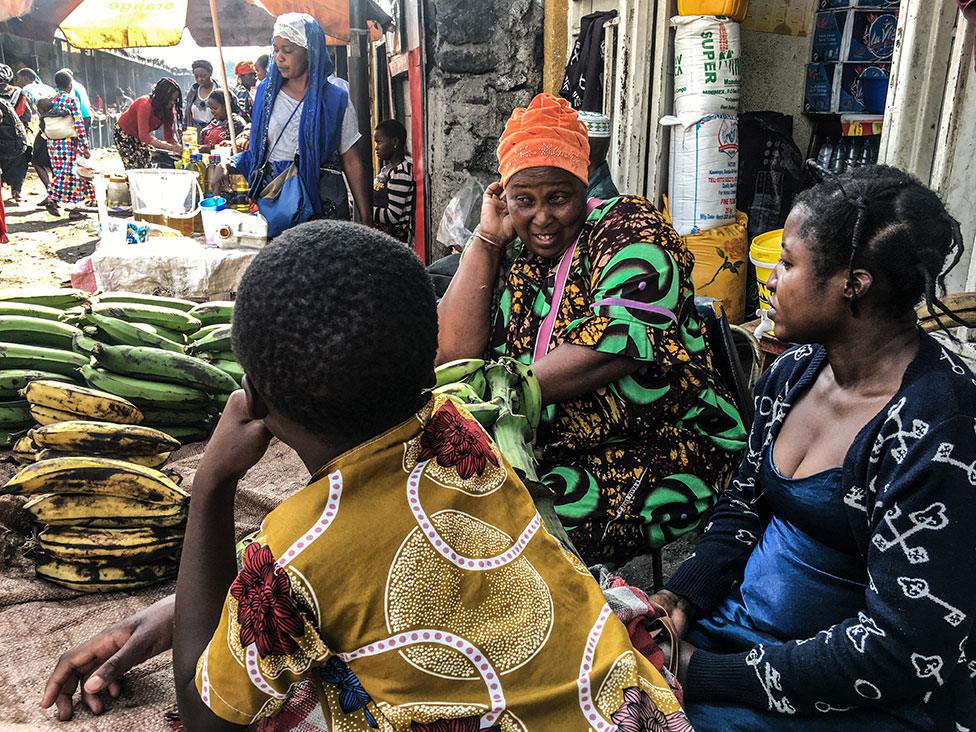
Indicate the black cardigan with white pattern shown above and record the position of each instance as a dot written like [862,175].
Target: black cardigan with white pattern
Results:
[910,485]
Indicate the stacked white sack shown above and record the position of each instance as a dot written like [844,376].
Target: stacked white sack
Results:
[704,134]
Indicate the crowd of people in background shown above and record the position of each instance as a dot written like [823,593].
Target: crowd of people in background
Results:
[287,109]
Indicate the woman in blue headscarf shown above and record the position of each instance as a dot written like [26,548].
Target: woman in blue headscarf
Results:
[299,114]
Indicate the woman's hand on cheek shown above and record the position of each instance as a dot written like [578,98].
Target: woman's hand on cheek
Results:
[496,223]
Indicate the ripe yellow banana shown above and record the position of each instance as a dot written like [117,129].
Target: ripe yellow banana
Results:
[149,461]
[25,449]
[103,511]
[110,545]
[97,576]
[103,438]
[98,477]
[81,400]
[45,415]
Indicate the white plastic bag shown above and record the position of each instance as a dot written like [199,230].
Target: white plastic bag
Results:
[461,215]
[703,173]
[706,66]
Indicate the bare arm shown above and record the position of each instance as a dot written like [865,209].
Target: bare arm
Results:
[352,166]
[568,371]
[464,311]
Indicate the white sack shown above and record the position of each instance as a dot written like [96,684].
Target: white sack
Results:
[706,66]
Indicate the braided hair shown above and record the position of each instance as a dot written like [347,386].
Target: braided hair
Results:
[885,221]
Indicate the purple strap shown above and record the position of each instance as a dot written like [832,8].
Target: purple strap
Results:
[636,305]
[544,338]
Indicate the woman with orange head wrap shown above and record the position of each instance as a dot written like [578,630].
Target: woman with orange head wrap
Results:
[637,437]
[247,80]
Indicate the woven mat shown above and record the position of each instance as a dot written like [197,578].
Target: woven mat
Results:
[39,621]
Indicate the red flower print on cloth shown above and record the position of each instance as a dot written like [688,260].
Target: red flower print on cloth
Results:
[265,608]
[467,724]
[456,442]
[639,713]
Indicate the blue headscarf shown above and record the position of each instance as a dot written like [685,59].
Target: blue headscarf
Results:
[320,124]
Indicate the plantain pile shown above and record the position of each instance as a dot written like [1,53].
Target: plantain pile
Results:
[35,343]
[505,398]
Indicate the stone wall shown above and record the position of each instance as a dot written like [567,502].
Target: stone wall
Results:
[484,59]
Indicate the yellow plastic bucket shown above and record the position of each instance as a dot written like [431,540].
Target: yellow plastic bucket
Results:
[735,9]
[764,254]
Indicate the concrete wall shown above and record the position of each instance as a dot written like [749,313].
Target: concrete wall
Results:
[773,78]
[483,60]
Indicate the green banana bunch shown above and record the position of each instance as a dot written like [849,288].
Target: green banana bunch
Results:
[219,339]
[231,368]
[52,297]
[455,371]
[53,360]
[164,365]
[186,433]
[486,413]
[461,391]
[36,331]
[13,380]
[159,317]
[204,332]
[137,298]
[513,435]
[216,311]
[124,333]
[83,344]
[14,413]
[514,383]
[142,392]
[8,307]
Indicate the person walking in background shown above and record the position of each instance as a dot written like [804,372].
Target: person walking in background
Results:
[600,184]
[36,91]
[134,137]
[15,169]
[84,102]
[247,79]
[67,186]
[261,66]
[393,188]
[197,113]
[122,100]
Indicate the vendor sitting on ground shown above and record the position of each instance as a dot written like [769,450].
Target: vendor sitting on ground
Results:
[456,611]
[638,436]
[217,130]
[833,585]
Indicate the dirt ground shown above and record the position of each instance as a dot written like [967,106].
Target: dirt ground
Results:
[43,248]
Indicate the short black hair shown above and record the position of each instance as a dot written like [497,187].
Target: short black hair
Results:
[202,64]
[262,61]
[395,130]
[27,71]
[336,325]
[63,79]
[885,221]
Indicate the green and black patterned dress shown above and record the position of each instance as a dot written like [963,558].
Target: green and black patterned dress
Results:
[635,465]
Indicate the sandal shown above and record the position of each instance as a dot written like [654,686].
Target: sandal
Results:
[76,214]
[52,207]
[663,630]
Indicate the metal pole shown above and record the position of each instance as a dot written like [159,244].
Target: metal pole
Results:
[223,77]
[359,79]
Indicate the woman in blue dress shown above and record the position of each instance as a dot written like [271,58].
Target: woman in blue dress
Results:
[300,116]
[832,589]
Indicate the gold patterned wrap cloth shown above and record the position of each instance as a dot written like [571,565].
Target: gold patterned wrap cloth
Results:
[413,583]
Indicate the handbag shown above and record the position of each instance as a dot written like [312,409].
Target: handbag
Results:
[284,202]
[60,128]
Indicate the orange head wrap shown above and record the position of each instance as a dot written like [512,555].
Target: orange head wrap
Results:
[547,133]
[245,67]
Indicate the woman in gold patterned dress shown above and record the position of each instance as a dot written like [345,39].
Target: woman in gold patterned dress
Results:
[638,437]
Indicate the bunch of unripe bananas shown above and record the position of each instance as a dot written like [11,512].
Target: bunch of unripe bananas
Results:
[170,357]
[107,518]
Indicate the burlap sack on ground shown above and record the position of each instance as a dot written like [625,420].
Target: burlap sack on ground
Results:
[39,621]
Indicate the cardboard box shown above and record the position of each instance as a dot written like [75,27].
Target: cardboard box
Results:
[828,36]
[849,92]
[870,36]
[819,97]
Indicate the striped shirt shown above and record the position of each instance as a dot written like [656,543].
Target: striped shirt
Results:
[393,200]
